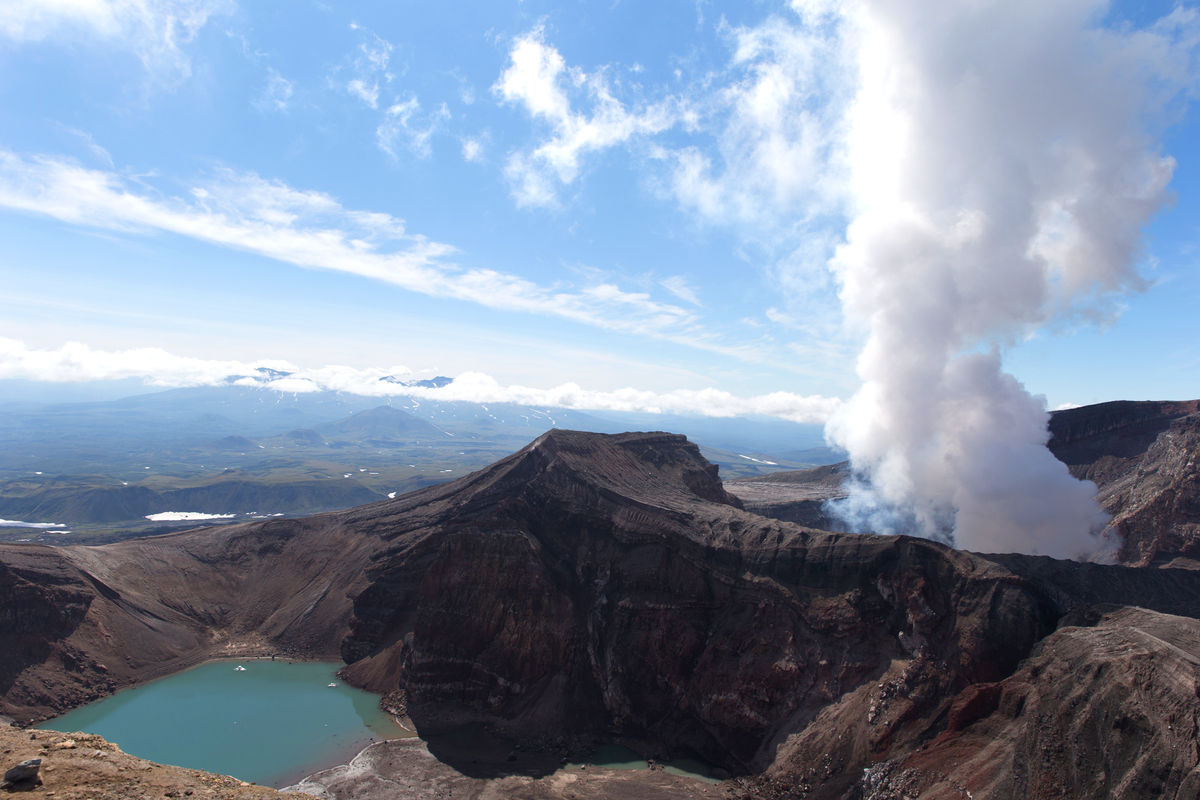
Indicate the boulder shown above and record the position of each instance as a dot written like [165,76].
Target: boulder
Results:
[23,774]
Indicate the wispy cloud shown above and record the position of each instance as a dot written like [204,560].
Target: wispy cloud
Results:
[538,79]
[313,230]
[777,125]
[763,155]
[369,67]
[405,126]
[153,30]
[276,94]
[472,149]
[78,362]
[679,286]
[93,147]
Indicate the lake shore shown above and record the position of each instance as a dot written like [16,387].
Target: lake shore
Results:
[271,723]
[406,768]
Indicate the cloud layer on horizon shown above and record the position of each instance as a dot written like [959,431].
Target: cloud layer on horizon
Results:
[74,362]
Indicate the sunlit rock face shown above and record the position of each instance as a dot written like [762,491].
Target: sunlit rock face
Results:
[605,585]
[1145,459]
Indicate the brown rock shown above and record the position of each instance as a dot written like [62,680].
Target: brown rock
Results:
[1145,460]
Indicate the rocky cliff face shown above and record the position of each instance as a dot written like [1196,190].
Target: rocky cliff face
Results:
[1145,460]
[577,587]
[85,621]
[607,587]
[1103,707]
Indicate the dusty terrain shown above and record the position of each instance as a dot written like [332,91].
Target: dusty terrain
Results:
[798,496]
[406,769]
[79,766]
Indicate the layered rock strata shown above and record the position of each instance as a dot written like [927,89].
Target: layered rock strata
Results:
[1145,460]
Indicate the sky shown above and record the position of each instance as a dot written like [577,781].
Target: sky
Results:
[642,205]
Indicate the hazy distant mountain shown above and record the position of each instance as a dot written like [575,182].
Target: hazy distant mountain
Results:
[385,423]
[90,463]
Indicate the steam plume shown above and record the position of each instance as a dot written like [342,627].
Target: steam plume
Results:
[1003,162]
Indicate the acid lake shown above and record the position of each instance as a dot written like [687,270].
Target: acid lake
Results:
[271,723]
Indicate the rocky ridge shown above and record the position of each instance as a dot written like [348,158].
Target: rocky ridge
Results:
[1145,460]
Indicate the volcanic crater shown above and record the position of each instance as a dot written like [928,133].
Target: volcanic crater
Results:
[606,588]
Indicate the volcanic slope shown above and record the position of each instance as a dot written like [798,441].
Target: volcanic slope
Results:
[606,587]
[799,496]
[1145,460]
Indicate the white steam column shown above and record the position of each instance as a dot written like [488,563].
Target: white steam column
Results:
[1003,160]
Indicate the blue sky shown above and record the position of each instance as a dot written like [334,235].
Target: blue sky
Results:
[612,195]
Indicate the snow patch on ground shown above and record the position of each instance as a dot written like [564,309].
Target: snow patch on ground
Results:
[759,460]
[179,516]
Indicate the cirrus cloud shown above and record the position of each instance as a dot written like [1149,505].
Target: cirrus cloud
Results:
[153,30]
[311,229]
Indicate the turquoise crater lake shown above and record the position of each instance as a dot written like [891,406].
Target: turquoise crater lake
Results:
[271,724]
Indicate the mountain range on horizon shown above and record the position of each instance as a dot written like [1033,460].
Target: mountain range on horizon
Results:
[100,468]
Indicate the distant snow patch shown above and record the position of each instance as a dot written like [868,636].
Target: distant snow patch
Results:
[179,516]
[16,523]
[758,460]
[391,495]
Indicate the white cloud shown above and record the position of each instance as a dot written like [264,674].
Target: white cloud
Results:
[153,30]
[404,125]
[311,229]
[75,362]
[78,362]
[93,147]
[538,79]
[368,93]
[678,286]
[472,149]
[777,122]
[369,67]
[276,94]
